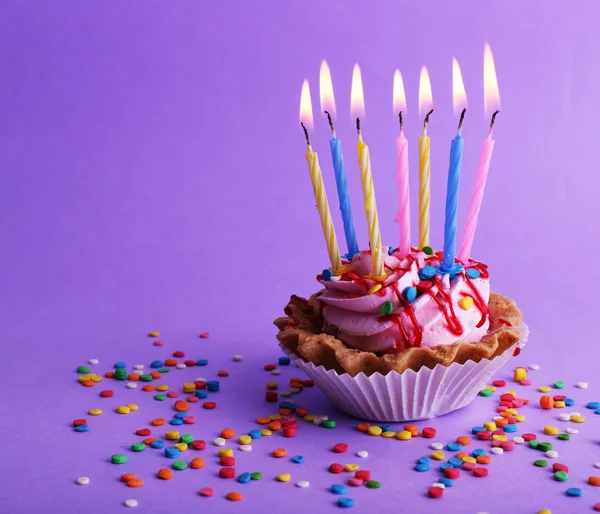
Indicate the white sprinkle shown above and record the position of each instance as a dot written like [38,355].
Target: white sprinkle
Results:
[131,385]
[363,454]
[83,480]
[302,483]
[482,513]
[131,503]
[294,390]
[237,358]
[219,441]
[497,451]
[437,446]
[246,448]
[438,484]
[518,439]
[552,454]
[181,365]
[285,394]
[572,431]
[323,417]
[582,385]
[93,361]
[534,366]
[597,464]
[138,366]
[276,372]
[317,422]
[564,417]
[335,278]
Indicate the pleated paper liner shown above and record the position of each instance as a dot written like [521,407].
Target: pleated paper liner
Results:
[411,395]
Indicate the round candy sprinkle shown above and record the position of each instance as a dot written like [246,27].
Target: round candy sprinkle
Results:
[234,497]
[428,432]
[559,384]
[561,476]
[118,458]
[83,480]
[582,385]
[302,484]
[298,459]
[256,476]
[409,293]
[497,451]
[427,272]
[338,489]
[437,446]
[219,441]
[237,358]
[572,430]
[552,454]
[207,491]
[131,503]
[435,492]
[372,484]
[540,463]
[244,478]
[427,250]
[574,491]
[363,454]
[327,274]
[345,502]
[83,369]
[387,308]
[283,477]
[473,273]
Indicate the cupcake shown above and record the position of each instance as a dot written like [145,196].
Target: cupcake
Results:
[416,345]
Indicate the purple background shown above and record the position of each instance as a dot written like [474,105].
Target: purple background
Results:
[153,178]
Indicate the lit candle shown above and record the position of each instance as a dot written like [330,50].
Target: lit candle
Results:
[364,164]
[425,105]
[403,215]
[328,107]
[456,152]
[306,119]
[491,103]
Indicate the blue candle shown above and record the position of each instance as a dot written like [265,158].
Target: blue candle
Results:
[456,152]
[342,188]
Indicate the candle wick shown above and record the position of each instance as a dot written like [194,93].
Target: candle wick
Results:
[401,122]
[426,122]
[493,120]
[462,118]
[330,122]
[305,134]
[358,125]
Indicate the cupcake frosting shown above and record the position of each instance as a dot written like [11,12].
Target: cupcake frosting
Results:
[415,305]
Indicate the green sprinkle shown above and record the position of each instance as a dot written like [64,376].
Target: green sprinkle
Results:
[373,484]
[83,369]
[328,423]
[540,463]
[561,476]
[164,370]
[559,384]
[256,476]
[160,397]
[121,374]
[118,458]
[564,437]
[146,378]
[179,465]
[427,250]
[545,447]
[186,438]
[534,443]
[138,447]
[387,308]
[485,392]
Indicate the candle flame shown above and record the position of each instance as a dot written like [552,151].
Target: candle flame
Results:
[357,99]
[399,95]
[425,95]
[306,114]
[459,95]
[326,90]
[491,94]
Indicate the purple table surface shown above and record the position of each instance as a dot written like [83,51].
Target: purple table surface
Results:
[153,178]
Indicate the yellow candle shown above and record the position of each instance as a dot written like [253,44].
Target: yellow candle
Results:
[424,189]
[364,163]
[323,208]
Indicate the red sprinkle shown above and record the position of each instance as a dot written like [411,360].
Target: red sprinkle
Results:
[557,466]
[452,473]
[340,448]
[178,354]
[227,472]
[507,446]
[484,435]
[209,405]
[143,432]
[529,437]
[79,422]
[204,335]
[597,507]
[507,397]
[289,431]
[200,384]
[559,398]
[207,491]
[106,394]
[363,474]
[158,343]
[172,394]
[337,468]
[435,492]
[270,367]
[192,399]
[189,420]
[355,481]
[271,396]
[499,383]
[526,382]
[428,432]
[189,363]
[198,444]
[480,472]
[227,461]
[301,412]
[469,466]
[223,373]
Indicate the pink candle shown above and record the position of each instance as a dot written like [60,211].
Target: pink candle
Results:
[477,197]
[403,216]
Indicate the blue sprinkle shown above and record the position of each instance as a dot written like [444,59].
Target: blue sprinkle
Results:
[285,404]
[386,428]
[569,402]
[156,364]
[171,453]
[510,428]
[120,364]
[455,462]
[476,430]
[298,459]
[390,250]
[255,434]
[327,274]
[593,405]
[176,421]
[338,489]
[345,503]
[574,491]
[158,444]
[453,447]
[423,460]
[445,465]
[446,481]
[427,273]
[180,415]
[213,385]
[244,478]
[422,467]
[201,362]
[478,451]
[284,361]
[473,273]
[597,411]
[82,428]
[409,293]
[201,393]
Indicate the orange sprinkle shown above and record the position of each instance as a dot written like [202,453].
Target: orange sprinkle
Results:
[197,463]
[364,427]
[138,482]
[134,377]
[285,412]
[234,497]
[462,455]
[128,476]
[156,422]
[228,433]
[181,406]
[413,429]
[165,474]
[149,440]
[148,388]
[109,374]
[594,481]
[155,375]
[171,362]
[501,422]
[546,402]
[279,453]
[263,421]
[88,383]
[275,426]
[505,414]
[464,440]
[484,459]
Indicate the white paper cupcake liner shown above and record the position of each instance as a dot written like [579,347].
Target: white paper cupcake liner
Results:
[408,396]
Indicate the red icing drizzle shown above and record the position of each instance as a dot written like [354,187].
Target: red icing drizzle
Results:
[452,321]
[411,314]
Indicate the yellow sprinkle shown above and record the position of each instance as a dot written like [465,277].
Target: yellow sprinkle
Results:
[266,432]
[244,439]
[466,303]
[153,334]
[181,446]
[351,467]
[374,430]
[490,388]
[404,435]
[550,430]
[87,376]
[510,392]
[559,404]
[225,452]
[520,418]
[490,426]
[273,417]
[189,387]
[162,387]
[272,385]
[438,455]
[94,412]
[520,374]
[132,406]
[577,419]
[375,288]
[511,411]
[469,459]
[310,417]
[388,434]
[499,437]
[97,378]
[172,435]
[545,511]
[543,389]
[284,477]
[121,409]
